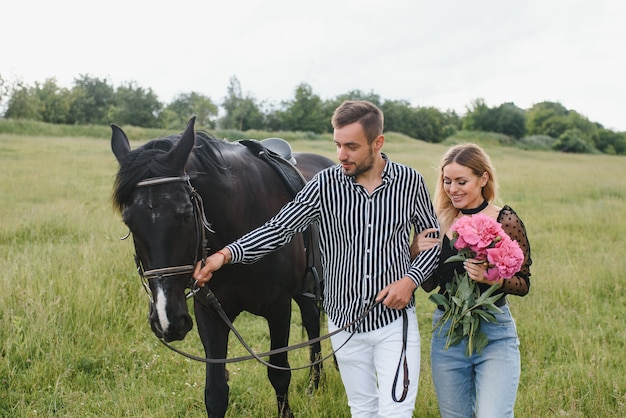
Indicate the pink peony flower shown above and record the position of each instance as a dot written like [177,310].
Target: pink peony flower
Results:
[477,233]
[476,237]
[506,257]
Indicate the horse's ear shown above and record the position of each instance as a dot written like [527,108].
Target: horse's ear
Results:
[179,155]
[119,143]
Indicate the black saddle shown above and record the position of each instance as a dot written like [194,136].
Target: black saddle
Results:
[277,153]
[279,158]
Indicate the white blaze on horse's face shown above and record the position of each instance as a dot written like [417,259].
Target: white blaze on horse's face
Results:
[160,304]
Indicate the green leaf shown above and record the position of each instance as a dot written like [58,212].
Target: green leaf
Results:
[467,323]
[465,289]
[471,299]
[439,325]
[490,307]
[487,293]
[457,301]
[454,340]
[494,298]
[439,299]
[480,342]
[466,253]
[486,316]
[454,258]
[465,307]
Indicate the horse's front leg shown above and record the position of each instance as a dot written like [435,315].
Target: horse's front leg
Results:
[214,336]
[279,321]
[310,313]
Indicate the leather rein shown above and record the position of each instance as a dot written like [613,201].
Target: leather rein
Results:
[210,300]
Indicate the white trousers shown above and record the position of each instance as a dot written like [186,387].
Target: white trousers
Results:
[368,364]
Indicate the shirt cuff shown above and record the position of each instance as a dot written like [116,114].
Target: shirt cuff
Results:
[236,252]
[417,278]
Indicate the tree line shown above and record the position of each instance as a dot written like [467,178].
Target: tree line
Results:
[94,101]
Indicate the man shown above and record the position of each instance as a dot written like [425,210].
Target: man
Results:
[365,208]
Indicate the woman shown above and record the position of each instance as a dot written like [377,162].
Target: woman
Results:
[485,384]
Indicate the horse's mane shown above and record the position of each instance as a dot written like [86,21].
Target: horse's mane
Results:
[209,155]
[150,160]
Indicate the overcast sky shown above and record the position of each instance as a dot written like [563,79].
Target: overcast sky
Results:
[439,53]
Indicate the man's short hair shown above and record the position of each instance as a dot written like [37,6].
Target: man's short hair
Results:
[367,114]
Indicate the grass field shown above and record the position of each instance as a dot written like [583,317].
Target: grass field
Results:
[74,337]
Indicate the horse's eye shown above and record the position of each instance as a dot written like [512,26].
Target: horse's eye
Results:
[185,215]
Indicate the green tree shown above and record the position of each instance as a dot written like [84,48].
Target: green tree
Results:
[242,113]
[553,119]
[510,120]
[55,102]
[573,140]
[329,106]
[451,123]
[398,116]
[506,119]
[546,118]
[305,112]
[23,104]
[45,102]
[136,106]
[478,116]
[610,142]
[354,95]
[274,117]
[575,120]
[4,90]
[432,125]
[92,100]
[185,105]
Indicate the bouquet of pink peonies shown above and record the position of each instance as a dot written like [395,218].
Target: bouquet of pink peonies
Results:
[481,238]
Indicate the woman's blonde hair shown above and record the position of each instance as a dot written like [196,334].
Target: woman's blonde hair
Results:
[476,159]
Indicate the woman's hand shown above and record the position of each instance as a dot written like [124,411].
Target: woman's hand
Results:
[421,242]
[476,270]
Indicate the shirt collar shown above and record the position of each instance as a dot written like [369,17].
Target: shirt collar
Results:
[389,172]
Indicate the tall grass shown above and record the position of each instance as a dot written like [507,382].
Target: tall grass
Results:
[74,337]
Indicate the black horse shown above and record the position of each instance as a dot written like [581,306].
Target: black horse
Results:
[188,195]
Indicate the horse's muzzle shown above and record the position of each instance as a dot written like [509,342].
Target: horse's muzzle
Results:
[174,329]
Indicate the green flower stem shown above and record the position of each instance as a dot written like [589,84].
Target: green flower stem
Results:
[465,307]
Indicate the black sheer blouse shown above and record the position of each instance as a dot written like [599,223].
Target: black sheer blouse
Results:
[517,285]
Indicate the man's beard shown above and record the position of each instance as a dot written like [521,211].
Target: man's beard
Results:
[363,167]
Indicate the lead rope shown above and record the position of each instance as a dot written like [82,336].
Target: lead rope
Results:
[402,362]
[213,303]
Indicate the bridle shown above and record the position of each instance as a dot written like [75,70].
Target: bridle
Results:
[209,300]
[201,226]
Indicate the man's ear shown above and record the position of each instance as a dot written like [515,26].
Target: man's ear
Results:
[379,142]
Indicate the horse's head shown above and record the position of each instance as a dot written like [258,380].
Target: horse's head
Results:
[159,206]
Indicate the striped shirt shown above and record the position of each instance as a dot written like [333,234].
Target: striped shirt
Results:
[364,239]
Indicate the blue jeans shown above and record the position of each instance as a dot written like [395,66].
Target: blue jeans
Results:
[481,385]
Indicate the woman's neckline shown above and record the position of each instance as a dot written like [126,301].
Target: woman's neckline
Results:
[476,209]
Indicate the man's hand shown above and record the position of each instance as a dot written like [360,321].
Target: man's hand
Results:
[212,263]
[398,294]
